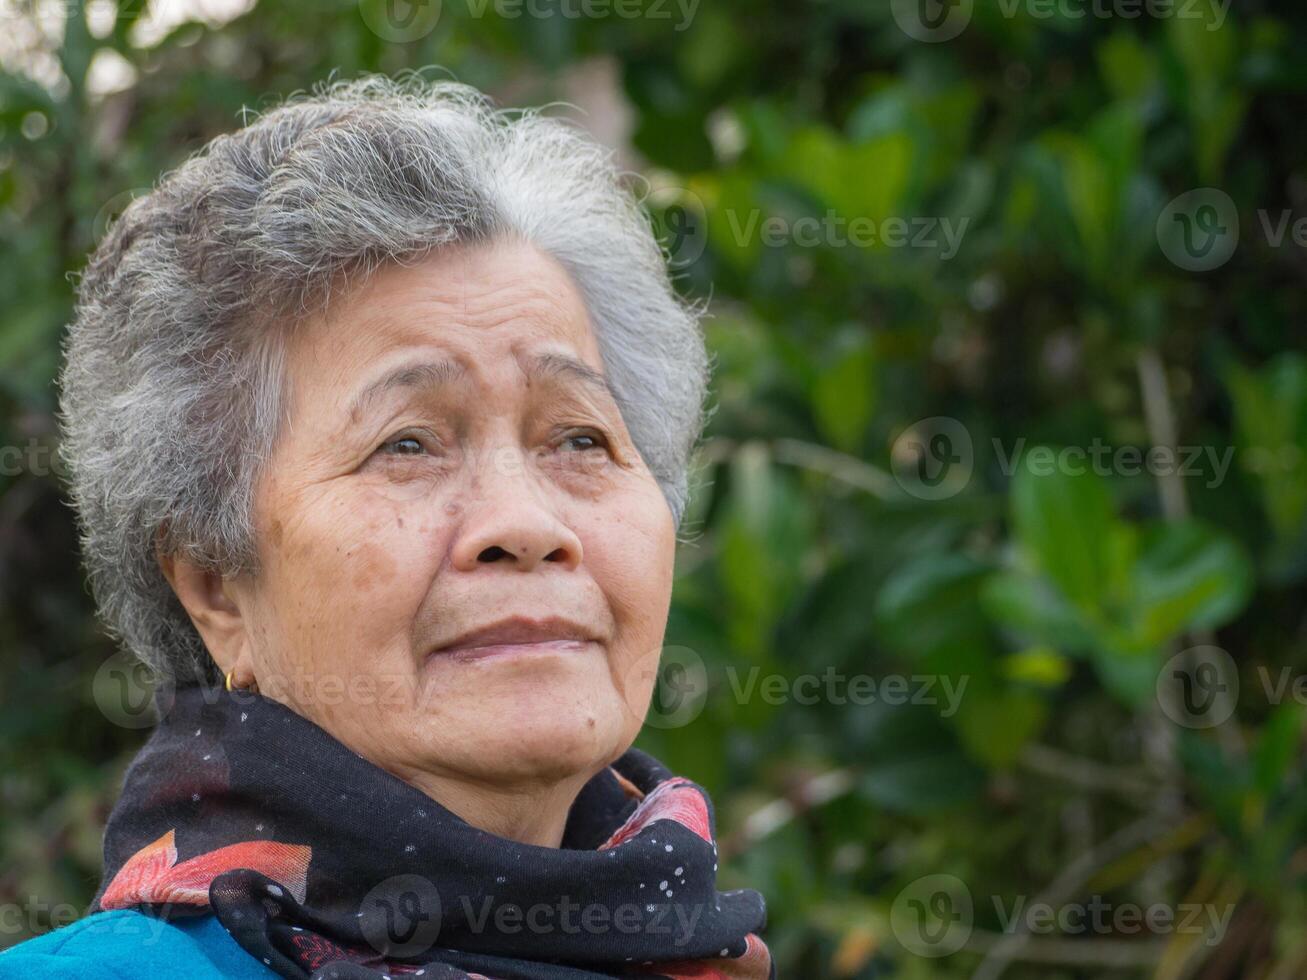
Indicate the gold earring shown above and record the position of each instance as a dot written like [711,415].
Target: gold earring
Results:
[253,688]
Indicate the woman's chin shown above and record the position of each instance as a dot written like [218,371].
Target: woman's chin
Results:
[560,756]
[542,741]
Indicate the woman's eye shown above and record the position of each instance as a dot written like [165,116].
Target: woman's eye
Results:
[581,441]
[404,446]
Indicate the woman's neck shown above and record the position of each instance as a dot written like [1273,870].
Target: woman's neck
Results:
[530,814]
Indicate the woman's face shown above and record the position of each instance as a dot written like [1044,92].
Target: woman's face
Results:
[466,564]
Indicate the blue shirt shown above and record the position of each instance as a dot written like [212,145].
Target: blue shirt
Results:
[126,945]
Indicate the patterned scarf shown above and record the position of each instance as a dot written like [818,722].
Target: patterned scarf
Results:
[322,865]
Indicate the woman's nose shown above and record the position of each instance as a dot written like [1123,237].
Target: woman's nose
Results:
[508,519]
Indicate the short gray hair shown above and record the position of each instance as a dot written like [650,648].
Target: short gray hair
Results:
[171,389]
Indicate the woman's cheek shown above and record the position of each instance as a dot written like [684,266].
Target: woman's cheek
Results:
[402,484]
[631,558]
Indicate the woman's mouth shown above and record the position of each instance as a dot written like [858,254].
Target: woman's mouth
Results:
[502,649]
[515,636]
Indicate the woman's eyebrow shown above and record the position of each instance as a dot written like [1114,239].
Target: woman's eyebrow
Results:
[434,374]
[419,374]
[564,367]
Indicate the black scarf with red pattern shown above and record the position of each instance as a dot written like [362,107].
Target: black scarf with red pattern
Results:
[322,865]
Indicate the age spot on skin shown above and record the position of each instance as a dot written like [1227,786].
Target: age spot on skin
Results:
[375,568]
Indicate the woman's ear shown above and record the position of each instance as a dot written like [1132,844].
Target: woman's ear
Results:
[222,622]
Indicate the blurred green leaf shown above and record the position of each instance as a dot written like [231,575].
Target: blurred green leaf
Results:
[931,606]
[1064,524]
[844,396]
[863,181]
[996,725]
[1270,407]
[1128,65]
[1188,577]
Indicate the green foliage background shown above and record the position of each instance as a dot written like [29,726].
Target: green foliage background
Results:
[1060,322]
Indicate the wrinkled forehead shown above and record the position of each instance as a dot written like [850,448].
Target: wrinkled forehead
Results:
[495,307]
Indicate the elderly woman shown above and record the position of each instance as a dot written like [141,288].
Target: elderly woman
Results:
[378,414]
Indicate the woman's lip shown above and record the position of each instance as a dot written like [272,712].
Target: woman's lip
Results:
[510,649]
